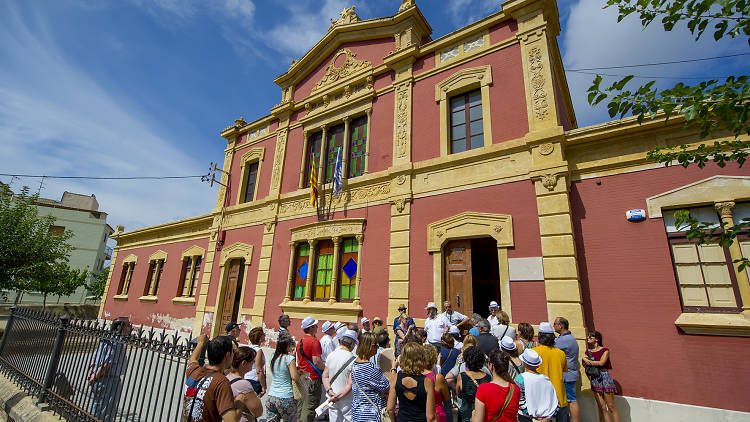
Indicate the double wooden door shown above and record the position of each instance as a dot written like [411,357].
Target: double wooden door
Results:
[458,276]
[233,292]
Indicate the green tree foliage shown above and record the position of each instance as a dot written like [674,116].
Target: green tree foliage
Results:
[98,282]
[31,257]
[710,105]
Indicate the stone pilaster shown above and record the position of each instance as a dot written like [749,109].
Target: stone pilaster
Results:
[205,281]
[398,274]
[112,270]
[725,210]
[278,163]
[264,271]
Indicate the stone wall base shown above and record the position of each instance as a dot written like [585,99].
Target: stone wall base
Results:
[16,405]
[634,409]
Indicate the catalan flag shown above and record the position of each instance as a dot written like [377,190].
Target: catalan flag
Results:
[313,184]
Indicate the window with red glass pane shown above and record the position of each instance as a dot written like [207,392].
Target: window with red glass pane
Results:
[301,268]
[348,271]
[335,141]
[312,156]
[357,146]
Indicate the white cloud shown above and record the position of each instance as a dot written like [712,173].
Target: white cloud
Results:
[56,120]
[242,8]
[593,38]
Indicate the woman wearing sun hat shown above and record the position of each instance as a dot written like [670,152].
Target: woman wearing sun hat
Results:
[515,366]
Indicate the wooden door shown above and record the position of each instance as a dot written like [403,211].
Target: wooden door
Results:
[458,276]
[230,293]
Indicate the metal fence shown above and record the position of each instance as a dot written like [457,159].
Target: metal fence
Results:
[53,357]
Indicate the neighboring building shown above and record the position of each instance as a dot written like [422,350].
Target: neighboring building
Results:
[466,178]
[79,214]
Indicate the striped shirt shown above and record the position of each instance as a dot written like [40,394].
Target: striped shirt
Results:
[367,380]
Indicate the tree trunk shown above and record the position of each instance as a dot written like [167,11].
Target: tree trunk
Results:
[44,302]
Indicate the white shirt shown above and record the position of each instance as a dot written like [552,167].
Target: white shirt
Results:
[336,361]
[327,346]
[493,320]
[435,329]
[453,318]
[541,400]
[252,374]
[498,330]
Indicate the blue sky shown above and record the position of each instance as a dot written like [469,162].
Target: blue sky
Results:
[143,87]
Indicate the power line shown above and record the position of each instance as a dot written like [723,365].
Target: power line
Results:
[649,77]
[660,63]
[103,177]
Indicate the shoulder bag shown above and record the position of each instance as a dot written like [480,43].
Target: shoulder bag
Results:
[508,398]
[351,359]
[384,417]
[592,372]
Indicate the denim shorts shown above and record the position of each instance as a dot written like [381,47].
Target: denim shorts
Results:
[570,391]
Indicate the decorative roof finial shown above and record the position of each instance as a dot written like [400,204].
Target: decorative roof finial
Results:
[348,16]
[406,4]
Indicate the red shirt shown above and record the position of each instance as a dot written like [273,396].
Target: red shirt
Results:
[312,348]
[493,397]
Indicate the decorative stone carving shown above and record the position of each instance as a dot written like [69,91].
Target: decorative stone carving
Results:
[403,102]
[294,206]
[724,209]
[549,181]
[350,66]
[347,16]
[538,94]
[370,81]
[400,204]
[239,123]
[269,225]
[468,225]
[278,158]
[405,4]
[328,229]
[546,148]
[236,250]
[401,179]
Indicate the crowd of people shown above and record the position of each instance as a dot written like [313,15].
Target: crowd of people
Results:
[455,369]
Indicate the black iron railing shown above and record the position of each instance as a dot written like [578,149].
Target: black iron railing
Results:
[53,358]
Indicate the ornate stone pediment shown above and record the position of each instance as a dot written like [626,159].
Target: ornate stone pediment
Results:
[236,250]
[350,66]
[469,225]
[329,229]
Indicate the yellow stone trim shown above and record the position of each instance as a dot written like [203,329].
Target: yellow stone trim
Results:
[254,155]
[148,299]
[328,229]
[183,300]
[470,225]
[128,259]
[175,231]
[703,192]
[158,255]
[194,250]
[714,324]
[236,250]
[460,45]
[121,298]
[460,82]
[337,311]
[109,281]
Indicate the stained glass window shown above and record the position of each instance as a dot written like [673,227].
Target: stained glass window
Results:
[334,141]
[312,156]
[467,130]
[348,270]
[357,146]
[302,267]
[323,271]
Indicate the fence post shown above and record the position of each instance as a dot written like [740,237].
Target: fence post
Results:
[49,377]
[8,327]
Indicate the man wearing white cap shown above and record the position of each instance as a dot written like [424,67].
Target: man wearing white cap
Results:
[456,333]
[365,325]
[538,396]
[337,380]
[309,360]
[554,365]
[327,342]
[434,325]
[493,320]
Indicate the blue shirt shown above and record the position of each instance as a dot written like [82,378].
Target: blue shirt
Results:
[474,331]
[281,380]
[567,343]
[367,380]
[113,353]
[408,323]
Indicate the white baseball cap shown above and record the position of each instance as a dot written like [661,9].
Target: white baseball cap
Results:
[453,330]
[546,327]
[327,326]
[365,320]
[308,322]
[430,305]
[531,357]
[494,304]
[507,343]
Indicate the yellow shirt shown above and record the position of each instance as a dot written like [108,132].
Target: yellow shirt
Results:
[554,365]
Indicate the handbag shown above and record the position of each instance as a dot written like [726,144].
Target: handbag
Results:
[384,416]
[592,372]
